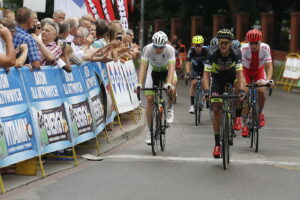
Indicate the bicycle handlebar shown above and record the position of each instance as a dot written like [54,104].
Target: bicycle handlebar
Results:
[257,86]
[225,96]
[138,92]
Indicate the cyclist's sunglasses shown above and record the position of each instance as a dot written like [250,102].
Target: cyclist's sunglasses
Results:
[254,43]
[158,47]
[198,45]
[224,43]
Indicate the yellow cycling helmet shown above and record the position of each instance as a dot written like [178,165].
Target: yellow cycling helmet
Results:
[198,39]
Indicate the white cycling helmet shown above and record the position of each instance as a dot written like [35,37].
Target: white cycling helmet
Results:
[159,39]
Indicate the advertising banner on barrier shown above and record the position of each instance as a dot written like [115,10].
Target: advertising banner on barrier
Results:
[131,80]
[119,86]
[17,141]
[77,105]
[109,108]
[94,95]
[43,88]
[292,68]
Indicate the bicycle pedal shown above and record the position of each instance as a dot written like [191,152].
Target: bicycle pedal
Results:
[230,142]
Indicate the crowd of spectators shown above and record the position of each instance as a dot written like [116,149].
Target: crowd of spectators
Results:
[61,41]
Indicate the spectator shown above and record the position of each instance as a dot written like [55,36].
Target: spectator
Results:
[24,19]
[85,23]
[89,17]
[38,28]
[50,32]
[63,34]
[7,52]
[23,49]
[59,16]
[73,24]
[101,30]
[46,20]
[35,17]
[93,31]
[82,41]
[64,30]
[9,14]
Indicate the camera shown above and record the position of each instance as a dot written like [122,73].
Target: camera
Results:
[119,37]
[63,43]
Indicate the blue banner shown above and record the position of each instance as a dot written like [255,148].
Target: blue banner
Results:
[17,141]
[101,71]
[77,105]
[95,95]
[44,92]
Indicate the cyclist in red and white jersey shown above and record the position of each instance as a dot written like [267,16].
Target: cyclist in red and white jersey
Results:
[257,68]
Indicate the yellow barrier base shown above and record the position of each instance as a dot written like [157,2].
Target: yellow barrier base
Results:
[27,167]
[2,185]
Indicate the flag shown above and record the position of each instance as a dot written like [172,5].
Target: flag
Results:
[72,8]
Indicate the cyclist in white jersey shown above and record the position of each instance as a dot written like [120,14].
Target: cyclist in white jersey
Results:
[158,60]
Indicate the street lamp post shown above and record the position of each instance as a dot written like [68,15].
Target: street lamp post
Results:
[142,24]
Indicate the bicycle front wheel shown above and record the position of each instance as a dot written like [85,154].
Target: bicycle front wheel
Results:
[155,123]
[225,139]
[163,129]
[256,127]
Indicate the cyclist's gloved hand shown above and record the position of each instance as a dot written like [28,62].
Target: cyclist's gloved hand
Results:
[242,93]
[206,94]
[168,86]
[137,88]
[271,82]
[187,75]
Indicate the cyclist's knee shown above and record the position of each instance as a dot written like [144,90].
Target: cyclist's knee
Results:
[217,108]
[150,99]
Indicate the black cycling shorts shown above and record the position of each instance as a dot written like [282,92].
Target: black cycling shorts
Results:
[219,80]
[157,76]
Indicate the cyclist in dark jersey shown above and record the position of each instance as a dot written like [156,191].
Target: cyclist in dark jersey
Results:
[224,65]
[196,58]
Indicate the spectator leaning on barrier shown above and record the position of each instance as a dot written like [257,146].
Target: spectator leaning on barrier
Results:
[82,41]
[59,16]
[23,49]
[61,57]
[7,52]
[25,21]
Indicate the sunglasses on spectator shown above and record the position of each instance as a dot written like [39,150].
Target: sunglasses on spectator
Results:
[254,43]
[37,27]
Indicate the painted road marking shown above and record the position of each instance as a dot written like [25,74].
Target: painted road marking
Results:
[198,159]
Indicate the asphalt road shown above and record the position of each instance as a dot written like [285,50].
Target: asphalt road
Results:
[187,170]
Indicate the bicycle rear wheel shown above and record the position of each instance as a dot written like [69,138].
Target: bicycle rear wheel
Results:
[251,127]
[225,138]
[155,123]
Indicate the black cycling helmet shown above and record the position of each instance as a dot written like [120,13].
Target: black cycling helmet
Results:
[226,34]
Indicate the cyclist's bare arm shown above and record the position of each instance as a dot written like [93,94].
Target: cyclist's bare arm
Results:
[241,80]
[188,66]
[206,79]
[171,69]
[269,70]
[142,71]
